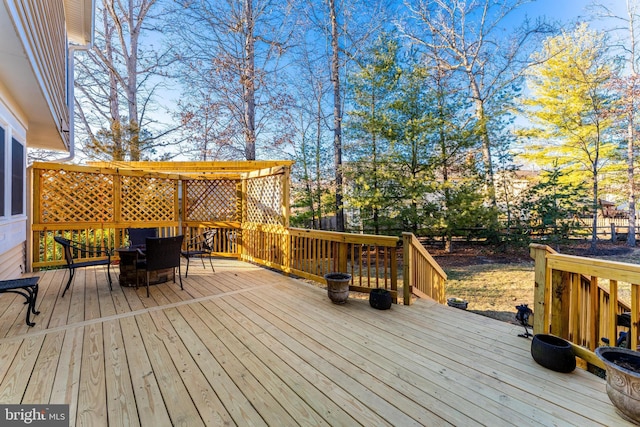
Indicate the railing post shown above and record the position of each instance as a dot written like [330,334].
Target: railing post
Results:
[407,262]
[33,211]
[612,332]
[540,307]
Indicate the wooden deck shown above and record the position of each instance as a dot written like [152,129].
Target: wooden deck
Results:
[248,346]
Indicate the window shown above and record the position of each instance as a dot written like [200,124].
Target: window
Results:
[2,171]
[17,177]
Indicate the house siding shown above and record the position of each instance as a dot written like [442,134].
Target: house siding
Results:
[44,25]
[12,262]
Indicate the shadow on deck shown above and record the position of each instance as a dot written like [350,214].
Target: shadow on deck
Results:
[246,345]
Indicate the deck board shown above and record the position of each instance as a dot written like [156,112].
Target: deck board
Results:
[121,408]
[248,346]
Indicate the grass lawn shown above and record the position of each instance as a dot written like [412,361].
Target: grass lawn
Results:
[495,283]
[493,290]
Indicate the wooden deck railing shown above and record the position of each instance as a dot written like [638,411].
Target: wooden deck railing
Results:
[371,260]
[422,275]
[573,297]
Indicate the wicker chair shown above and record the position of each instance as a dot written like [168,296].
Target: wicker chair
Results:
[81,250]
[137,236]
[200,246]
[160,253]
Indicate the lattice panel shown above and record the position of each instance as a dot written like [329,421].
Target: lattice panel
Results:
[69,196]
[264,200]
[211,200]
[147,199]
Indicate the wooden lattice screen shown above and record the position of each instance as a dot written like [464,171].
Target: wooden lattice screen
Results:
[98,203]
[148,199]
[211,200]
[264,201]
[61,190]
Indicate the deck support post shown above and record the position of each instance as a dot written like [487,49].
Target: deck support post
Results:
[542,285]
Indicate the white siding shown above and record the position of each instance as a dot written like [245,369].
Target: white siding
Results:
[37,78]
[12,262]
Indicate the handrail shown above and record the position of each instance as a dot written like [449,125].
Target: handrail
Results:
[422,274]
[371,260]
[570,301]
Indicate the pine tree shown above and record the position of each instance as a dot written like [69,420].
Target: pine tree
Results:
[373,89]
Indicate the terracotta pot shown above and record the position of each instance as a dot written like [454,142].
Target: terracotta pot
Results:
[623,380]
[380,298]
[553,353]
[338,287]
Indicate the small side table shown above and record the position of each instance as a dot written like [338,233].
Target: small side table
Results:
[28,288]
[128,257]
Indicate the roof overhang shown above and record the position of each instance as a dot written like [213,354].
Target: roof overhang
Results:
[79,15]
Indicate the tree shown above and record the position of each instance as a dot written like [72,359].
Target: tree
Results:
[231,50]
[470,38]
[345,28]
[550,205]
[116,82]
[337,112]
[373,87]
[413,119]
[569,108]
[628,87]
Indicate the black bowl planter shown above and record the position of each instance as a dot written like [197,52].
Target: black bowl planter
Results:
[553,353]
[457,303]
[380,298]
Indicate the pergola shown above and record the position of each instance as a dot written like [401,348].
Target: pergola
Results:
[97,203]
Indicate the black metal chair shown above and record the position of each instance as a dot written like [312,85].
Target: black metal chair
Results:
[137,236]
[200,246]
[160,253]
[72,248]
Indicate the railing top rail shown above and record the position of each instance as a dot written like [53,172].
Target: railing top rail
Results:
[387,241]
[612,270]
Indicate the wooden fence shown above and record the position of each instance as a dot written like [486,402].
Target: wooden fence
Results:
[579,299]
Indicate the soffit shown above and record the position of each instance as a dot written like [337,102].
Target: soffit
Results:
[79,20]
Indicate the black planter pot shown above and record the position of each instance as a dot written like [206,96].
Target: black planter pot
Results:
[380,298]
[553,353]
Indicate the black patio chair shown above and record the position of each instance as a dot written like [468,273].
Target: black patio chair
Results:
[137,236]
[76,250]
[160,253]
[200,246]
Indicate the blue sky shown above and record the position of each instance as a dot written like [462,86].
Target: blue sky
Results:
[571,10]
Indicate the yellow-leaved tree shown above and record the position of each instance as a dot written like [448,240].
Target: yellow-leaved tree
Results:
[568,105]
